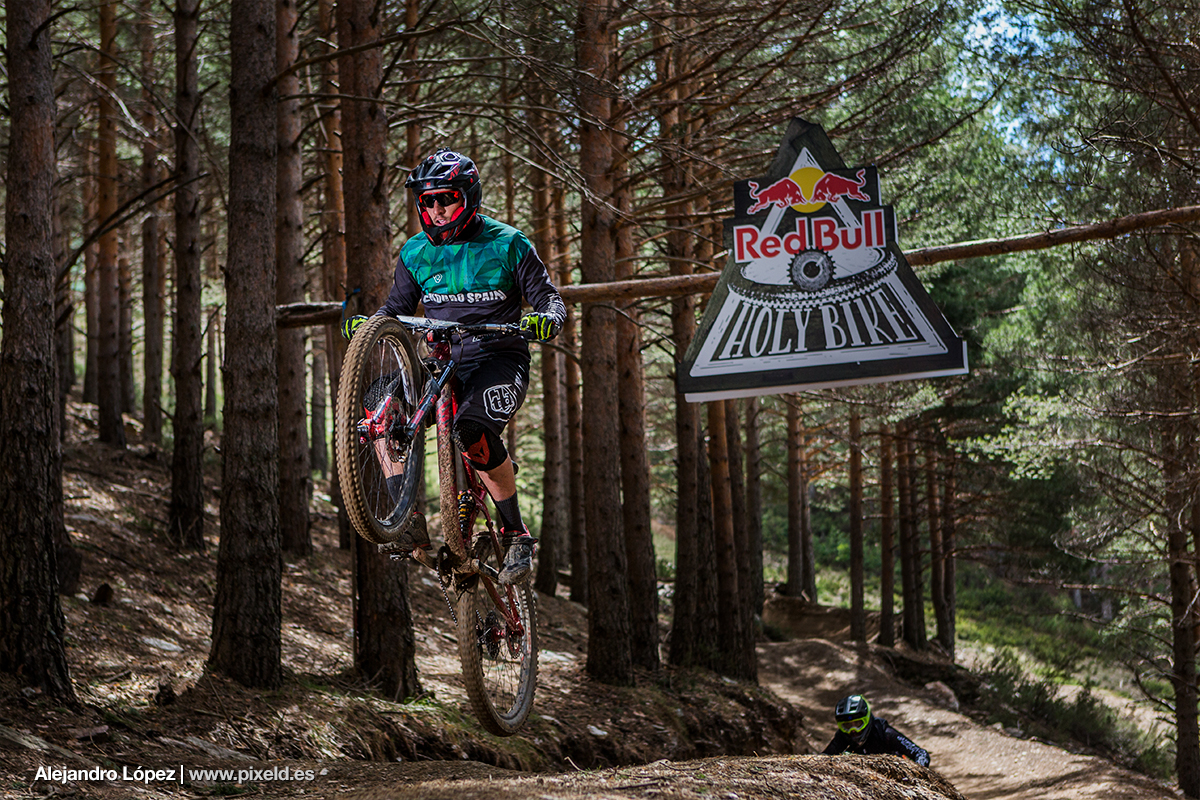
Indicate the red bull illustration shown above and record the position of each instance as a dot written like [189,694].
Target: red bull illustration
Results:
[816,293]
[827,188]
[780,194]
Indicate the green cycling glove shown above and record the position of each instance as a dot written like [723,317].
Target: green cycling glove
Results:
[351,325]
[544,326]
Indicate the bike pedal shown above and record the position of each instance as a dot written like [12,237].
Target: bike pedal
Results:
[396,550]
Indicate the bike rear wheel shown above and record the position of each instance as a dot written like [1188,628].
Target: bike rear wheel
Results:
[380,387]
[498,646]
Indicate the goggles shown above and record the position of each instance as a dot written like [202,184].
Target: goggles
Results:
[443,198]
[852,727]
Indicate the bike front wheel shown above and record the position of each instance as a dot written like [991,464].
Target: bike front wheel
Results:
[498,648]
[378,468]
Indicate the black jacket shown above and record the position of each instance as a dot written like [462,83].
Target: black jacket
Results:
[882,739]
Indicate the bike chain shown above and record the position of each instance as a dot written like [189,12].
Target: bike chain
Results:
[446,578]
[466,511]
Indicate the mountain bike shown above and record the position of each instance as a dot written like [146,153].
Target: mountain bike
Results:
[389,393]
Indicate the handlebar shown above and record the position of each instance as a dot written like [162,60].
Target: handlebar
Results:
[444,329]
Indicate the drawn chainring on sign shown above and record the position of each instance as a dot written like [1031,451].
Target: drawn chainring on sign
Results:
[811,270]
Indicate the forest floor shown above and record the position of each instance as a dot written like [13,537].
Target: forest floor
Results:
[150,723]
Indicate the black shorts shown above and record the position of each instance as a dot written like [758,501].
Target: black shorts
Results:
[491,388]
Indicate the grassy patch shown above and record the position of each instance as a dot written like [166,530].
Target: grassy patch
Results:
[1017,699]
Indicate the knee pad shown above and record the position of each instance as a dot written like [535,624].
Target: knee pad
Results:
[484,449]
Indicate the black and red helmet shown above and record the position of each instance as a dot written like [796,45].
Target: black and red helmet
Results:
[442,171]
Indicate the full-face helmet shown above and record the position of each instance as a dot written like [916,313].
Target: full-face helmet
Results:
[446,171]
[853,715]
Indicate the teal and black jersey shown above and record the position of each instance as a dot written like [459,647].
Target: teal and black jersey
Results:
[482,279]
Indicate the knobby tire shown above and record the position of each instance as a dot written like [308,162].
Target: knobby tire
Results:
[381,355]
[499,666]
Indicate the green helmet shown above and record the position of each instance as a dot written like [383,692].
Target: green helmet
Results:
[853,715]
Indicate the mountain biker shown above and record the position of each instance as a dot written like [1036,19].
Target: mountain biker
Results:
[858,731]
[467,267]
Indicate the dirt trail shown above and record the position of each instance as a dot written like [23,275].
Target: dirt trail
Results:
[982,762]
[137,651]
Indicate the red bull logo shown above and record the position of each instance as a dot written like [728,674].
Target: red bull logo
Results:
[823,187]
[782,193]
[821,233]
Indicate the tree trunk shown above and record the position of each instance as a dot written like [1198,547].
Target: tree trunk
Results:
[64,311]
[795,562]
[295,472]
[384,655]
[947,637]
[333,236]
[247,611]
[577,530]
[910,568]
[709,650]
[212,358]
[635,466]
[112,427]
[32,630]
[318,433]
[1183,631]
[186,512]
[729,625]
[91,283]
[609,653]
[412,131]
[937,552]
[153,274]
[858,610]
[754,531]
[553,535]
[125,334]
[686,642]
[887,546]
[746,658]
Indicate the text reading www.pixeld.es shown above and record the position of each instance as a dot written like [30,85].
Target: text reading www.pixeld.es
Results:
[178,775]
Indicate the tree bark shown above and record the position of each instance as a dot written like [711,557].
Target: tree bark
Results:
[746,658]
[729,626]
[553,535]
[795,562]
[858,610]
[577,528]
[91,284]
[295,476]
[109,389]
[319,434]
[937,552]
[333,236]
[887,546]
[247,608]
[186,511]
[947,637]
[31,630]
[125,334]
[1183,631]
[383,619]
[609,653]
[635,466]
[914,613]
[153,274]
[754,530]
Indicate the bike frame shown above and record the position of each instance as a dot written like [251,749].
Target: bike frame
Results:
[439,397]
